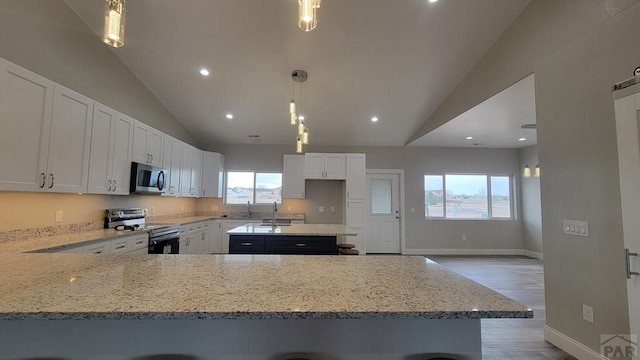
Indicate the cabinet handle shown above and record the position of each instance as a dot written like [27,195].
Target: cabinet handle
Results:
[301,245]
[52,181]
[44,180]
[348,194]
[109,185]
[115,185]
[246,244]
[151,157]
[120,247]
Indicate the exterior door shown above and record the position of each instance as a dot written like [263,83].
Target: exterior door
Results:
[382,230]
[627,106]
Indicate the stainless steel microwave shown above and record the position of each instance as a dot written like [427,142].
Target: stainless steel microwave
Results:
[146,179]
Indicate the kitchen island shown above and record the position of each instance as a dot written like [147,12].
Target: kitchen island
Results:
[79,306]
[300,239]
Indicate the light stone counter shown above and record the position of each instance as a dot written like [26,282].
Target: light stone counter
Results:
[292,230]
[249,287]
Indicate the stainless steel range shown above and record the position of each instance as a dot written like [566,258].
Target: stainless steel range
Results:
[163,238]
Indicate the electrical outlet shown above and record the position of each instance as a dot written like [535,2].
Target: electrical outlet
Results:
[413,209]
[321,208]
[59,215]
[333,209]
[587,313]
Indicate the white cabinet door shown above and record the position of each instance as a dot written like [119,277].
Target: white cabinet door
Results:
[335,166]
[196,173]
[212,174]
[172,162]
[147,145]
[155,143]
[215,237]
[314,166]
[293,177]
[101,158]
[202,242]
[356,176]
[186,170]
[25,118]
[121,246]
[355,213]
[70,141]
[122,152]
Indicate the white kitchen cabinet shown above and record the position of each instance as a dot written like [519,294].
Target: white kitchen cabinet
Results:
[196,173]
[111,148]
[194,238]
[212,174]
[172,163]
[327,166]
[356,176]
[355,213]
[100,247]
[147,145]
[129,245]
[293,177]
[191,171]
[69,141]
[215,237]
[226,226]
[120,246]
[26,101]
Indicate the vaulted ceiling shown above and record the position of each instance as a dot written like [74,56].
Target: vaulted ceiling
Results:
[396,60]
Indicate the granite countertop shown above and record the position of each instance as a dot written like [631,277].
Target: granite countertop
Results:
[292,230]
[82,286]
[43,243]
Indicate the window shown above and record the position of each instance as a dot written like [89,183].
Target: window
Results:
[468,197]
[254,188]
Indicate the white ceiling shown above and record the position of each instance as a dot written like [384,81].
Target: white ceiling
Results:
[494,123]
[397,60]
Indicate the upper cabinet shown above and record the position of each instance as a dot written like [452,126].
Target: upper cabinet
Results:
[212,174]
[356,169]
[147,145]
[172,162]
[293,176]
[191,171]
[26,101]
[325,166]
[111,149]
[45,132]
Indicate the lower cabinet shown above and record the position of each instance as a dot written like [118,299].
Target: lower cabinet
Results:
[283,245]
[194,238]
[124,245]
[215,237]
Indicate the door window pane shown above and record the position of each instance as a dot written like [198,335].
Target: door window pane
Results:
[434,196]
[239,187]
[268,188]
[381,197]
[467,197]
[500,197]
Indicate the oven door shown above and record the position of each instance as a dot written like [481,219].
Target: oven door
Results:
[169,245]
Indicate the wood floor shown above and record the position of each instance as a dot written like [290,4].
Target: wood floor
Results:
[521,279]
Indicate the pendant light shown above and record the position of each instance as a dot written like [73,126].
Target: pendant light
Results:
[308,14]
[536,171]
[114,17]
[526,172]
[299,78]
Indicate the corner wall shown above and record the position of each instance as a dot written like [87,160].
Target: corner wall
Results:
[531,203]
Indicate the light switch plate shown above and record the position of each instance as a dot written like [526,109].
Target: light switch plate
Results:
[59,215]
[587,313]
[321,208]
[575,228]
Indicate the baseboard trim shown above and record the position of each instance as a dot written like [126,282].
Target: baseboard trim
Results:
[570,346]
[464,252]
[533,254]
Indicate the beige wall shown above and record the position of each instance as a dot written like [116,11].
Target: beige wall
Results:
[531,202]
[48,38]
[416,162]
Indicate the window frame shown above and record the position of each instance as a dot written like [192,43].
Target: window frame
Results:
[255,174]
[512,197]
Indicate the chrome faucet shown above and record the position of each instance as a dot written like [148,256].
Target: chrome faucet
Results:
[248,208]
[275,209]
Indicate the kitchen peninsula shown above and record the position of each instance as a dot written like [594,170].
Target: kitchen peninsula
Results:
[246,307]
[306,239]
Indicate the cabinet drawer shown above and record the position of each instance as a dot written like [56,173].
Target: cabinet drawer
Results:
[241,244]
[120,246]
[302,245]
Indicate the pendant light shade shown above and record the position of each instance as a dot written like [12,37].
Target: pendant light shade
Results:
[114,18]
[300,127]
[536,171]
[292,107]
[526,173]
[305,136]
[307,14]
[299,145]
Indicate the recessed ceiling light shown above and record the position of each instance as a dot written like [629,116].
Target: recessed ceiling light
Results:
[469,137]
[374,119]
[204,72]
[433,1]
[522,139]
[229,116]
